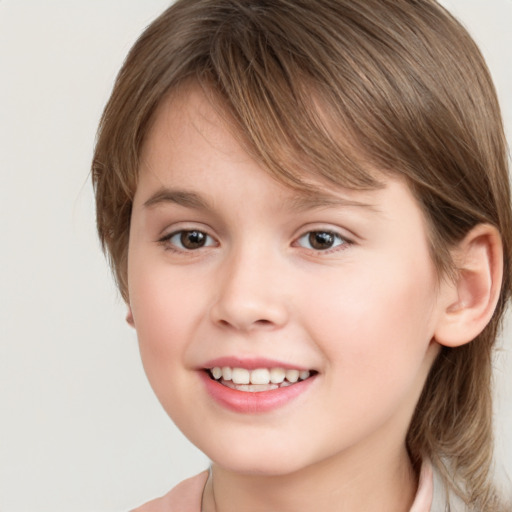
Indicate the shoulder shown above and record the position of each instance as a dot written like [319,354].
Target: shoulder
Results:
[185,497]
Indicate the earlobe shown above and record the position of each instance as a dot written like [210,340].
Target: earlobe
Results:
[129,316]
[469,301]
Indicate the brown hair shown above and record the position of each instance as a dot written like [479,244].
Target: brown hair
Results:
[334,88]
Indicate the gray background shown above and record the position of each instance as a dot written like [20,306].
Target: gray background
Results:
[80,429]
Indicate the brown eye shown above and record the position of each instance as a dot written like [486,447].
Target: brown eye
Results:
[188,240]
[193,239]
[321,240]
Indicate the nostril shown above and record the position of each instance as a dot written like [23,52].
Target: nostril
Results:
[263,322]
[259,323]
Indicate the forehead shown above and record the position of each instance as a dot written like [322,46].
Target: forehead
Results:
[201,117]
[192,131]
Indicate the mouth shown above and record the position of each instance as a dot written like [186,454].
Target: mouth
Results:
[259,379]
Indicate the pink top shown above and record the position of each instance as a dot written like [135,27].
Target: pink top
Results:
[186,496]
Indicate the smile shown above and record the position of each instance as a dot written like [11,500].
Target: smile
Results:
[259,386]
[258,379]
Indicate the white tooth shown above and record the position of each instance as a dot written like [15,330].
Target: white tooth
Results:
[240,376]
[304,374]
[285,384]
[292,375]
[226,373]
[260,376]
[252,388]
[277,375]
[216,372]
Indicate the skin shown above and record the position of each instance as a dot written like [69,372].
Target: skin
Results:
[363,314]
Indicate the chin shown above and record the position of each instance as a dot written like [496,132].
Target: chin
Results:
[261,461]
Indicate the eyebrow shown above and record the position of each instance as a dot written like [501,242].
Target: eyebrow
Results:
[180,197]
[319,199]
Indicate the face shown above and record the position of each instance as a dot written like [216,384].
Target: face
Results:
[278,329]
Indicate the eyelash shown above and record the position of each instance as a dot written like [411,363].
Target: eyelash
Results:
[307,237]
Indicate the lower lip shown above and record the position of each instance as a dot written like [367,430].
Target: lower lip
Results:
[253,403]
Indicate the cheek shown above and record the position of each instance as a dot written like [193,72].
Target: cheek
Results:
[376,346]
[166,308]
[377,327]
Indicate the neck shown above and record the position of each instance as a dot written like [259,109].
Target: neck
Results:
[342,483]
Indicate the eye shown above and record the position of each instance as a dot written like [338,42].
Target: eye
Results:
[321,240]
[189,240]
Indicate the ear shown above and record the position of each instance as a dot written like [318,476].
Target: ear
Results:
[129,316]
[469,301]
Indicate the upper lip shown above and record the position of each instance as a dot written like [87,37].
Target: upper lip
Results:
[251,363]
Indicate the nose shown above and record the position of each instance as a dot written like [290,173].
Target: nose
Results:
[251,293]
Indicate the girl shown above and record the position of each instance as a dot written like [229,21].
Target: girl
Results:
[307,210]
